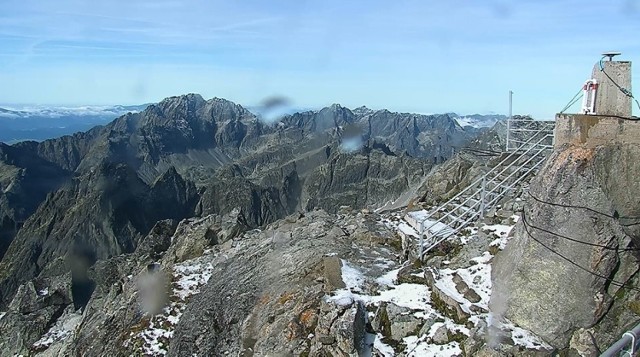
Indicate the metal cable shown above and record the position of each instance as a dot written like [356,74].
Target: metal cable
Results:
[612,281]
[612,216]
[572,101]
[578,241]
[623,90]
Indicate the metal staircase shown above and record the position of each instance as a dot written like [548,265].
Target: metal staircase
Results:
[535,139]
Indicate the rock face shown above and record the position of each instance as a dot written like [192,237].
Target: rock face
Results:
[448,179]
[267,293]
[36,306]
[581,209]
[270,301]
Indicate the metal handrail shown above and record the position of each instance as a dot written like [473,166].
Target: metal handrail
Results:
[524,153]
[630,338]
[463,225]
[498,185]
[498,194]
[476,182]
[448,214]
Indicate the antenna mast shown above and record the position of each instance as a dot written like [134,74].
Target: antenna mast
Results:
[509,118]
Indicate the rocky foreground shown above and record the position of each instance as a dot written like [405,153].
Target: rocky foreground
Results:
[312,284]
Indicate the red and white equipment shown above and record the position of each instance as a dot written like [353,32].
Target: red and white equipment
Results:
[589,97]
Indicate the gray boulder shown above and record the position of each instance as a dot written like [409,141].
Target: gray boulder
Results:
[546,280]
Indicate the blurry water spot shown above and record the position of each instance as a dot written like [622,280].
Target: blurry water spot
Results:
[139,90]
[630,7]
[273,109]
[351,144]
[502,10]
[152,289]
[351,139]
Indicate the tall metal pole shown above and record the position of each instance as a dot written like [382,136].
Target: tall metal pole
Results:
[509,118]
[482,196]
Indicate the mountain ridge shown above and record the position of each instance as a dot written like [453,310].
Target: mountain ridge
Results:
[203,157]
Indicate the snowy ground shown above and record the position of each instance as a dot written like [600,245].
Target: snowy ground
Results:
[417,297]
[187,279]
[63,329]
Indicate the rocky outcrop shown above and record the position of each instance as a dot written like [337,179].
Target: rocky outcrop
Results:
[271,299]
[98,215]
[33,311]
[427,136]
[268,293]
[25,181]
[363,179]
[446,180]
[574,248]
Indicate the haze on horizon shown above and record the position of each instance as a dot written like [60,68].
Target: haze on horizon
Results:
[416,56]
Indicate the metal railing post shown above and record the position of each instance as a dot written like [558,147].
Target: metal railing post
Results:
[509,119]
[629,338]
[482,195]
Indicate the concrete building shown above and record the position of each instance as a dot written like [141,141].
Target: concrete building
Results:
[610,99]
[612,121]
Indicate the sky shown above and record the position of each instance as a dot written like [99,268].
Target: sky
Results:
[413,56]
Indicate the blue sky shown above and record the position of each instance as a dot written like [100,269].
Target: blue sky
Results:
[419,56]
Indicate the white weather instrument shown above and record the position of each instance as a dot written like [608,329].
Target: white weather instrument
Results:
[589,97]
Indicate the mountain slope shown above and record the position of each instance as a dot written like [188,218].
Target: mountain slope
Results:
[187,156]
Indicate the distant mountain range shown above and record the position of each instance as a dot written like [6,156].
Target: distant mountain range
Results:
[40,123]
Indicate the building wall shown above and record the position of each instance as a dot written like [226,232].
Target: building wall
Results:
[610,100]
[594,130]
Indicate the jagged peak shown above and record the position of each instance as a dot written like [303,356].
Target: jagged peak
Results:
[185,98]
[195,101]
[362,110]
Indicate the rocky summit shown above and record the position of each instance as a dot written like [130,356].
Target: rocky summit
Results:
[196,228]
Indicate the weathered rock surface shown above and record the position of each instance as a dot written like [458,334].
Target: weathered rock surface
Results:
[268,293]
[271,300]
[448,305]
[583,211]
[395,322]
[450,178]
[34,309]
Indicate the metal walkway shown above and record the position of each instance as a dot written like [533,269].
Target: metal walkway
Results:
[527,146]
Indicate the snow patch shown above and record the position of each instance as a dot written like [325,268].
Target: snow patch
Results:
[408,230]
[384,349]
[501,231]
[419,347]
[63,328]
[188,279]
[352,277]
[389,278]
[522,337]
[412,296]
